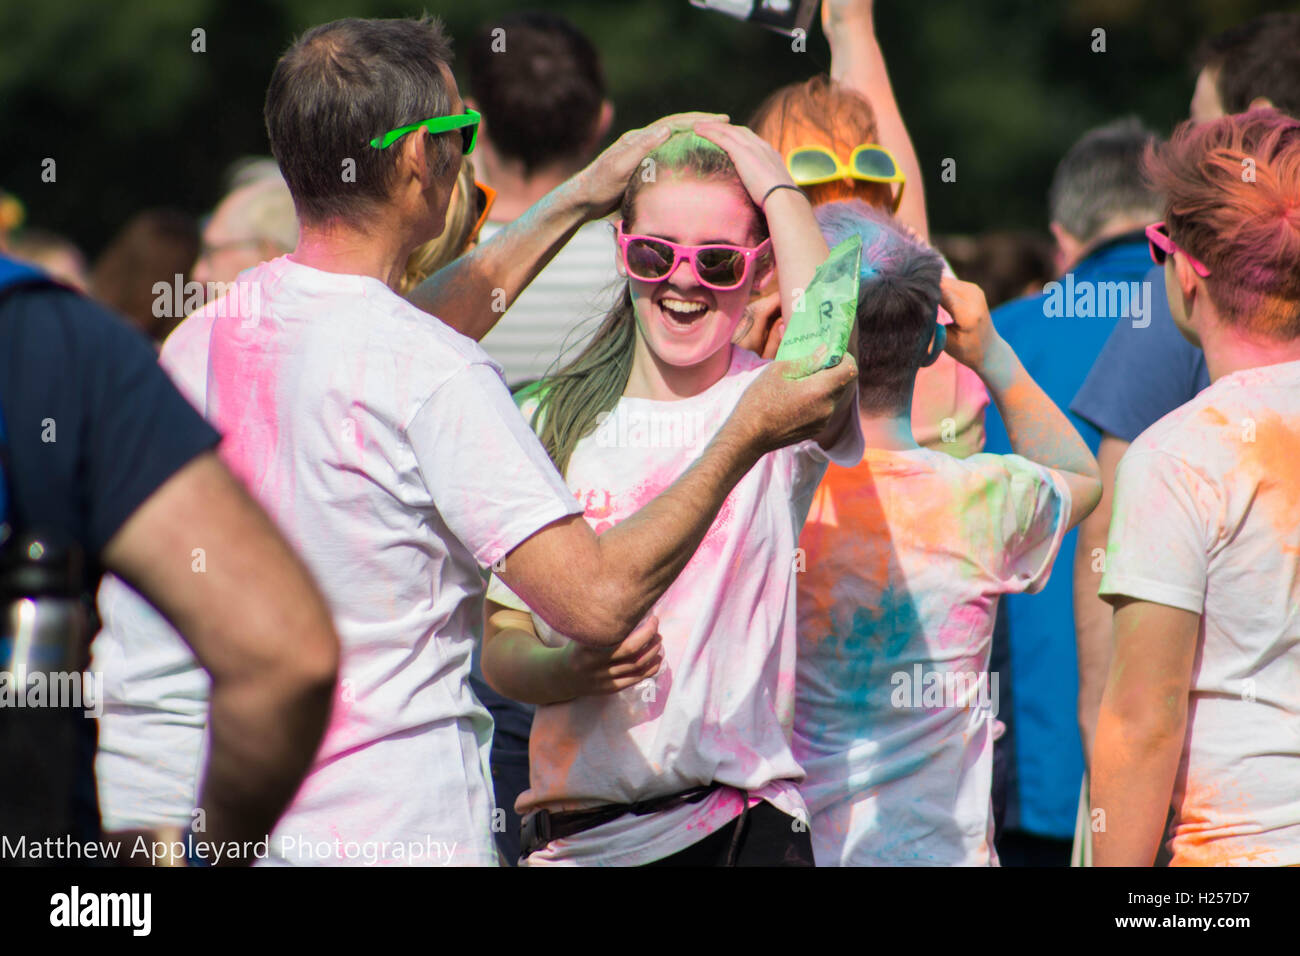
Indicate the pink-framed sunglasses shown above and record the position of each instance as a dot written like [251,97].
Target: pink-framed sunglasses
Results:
[1162,246]
[719,267]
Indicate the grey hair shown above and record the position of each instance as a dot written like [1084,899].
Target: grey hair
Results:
[1101,178]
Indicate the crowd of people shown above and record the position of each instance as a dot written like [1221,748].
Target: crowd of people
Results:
[458,509]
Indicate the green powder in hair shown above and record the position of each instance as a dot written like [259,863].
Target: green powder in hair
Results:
[679,149]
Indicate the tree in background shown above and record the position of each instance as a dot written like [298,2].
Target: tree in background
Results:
[136,109]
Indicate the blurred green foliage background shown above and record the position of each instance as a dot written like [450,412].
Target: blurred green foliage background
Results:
[133,118]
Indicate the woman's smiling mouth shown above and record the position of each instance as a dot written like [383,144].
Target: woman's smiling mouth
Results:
[681,314]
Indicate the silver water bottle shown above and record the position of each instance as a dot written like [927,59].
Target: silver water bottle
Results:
[44,642]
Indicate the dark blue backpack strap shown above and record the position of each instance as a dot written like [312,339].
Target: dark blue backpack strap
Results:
[13,275]
[4,467]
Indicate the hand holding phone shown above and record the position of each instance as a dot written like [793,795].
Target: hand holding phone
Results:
[783,16]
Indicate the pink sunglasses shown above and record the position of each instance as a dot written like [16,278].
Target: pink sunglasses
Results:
[1162,246]
[719,267]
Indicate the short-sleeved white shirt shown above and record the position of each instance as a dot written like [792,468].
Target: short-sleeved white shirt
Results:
[548,318]
[1207,519]
[907,555]
[388,451]
[720,708]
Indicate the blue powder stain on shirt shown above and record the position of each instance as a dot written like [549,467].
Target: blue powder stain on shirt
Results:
[858,659]
[885,630]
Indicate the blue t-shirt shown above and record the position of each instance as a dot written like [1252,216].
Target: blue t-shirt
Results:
[1057,335]
[1142,374]
[94,427]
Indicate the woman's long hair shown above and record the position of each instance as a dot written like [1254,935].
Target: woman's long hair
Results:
[571,399]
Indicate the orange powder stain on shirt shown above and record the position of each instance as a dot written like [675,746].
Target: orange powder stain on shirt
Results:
[1272,461]
[1198,832]
[846,535]
[552,755]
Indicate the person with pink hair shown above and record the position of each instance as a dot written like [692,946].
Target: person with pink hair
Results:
[1201,712]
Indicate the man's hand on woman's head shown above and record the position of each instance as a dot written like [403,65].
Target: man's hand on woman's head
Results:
[758,164]
[602,184]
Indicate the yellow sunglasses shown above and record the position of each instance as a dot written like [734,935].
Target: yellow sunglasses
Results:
[812,165]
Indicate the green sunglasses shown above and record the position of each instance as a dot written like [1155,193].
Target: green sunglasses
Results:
[466,122]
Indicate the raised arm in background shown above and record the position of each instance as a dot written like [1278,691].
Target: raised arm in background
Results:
[858,63]
[1038,430]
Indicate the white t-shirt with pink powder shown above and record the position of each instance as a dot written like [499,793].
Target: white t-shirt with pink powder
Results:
[721,706]
[387,449]
[1207,519]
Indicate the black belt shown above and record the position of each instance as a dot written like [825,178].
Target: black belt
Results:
[540,827]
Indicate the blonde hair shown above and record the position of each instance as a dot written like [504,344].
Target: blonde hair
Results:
[454,239]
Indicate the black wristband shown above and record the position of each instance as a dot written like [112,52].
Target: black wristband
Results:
[763,205]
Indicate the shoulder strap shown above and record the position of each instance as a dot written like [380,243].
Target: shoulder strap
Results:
[13,275]
[4,468]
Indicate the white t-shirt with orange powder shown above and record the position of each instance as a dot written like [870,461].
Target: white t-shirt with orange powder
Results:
[1207,519]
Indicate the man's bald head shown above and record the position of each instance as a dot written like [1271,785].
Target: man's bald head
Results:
[254,223]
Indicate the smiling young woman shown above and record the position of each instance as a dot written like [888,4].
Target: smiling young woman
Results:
[689,718]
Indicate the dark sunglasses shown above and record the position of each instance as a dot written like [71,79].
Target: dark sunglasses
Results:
[719,267]
[1162,246]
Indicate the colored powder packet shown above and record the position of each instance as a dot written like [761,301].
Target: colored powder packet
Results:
[828,308]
